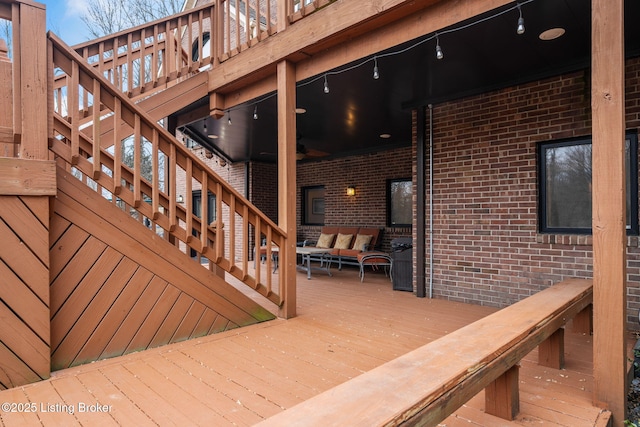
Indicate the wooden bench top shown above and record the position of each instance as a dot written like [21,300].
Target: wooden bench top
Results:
[436,379]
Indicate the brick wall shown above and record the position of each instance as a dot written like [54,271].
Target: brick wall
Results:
[369,174]
[487,248]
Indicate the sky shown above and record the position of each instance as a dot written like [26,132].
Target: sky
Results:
[63,18]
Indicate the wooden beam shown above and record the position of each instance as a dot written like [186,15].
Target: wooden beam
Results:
[351,36]
[287,183]
[609,201]
[24,177]
[551,351]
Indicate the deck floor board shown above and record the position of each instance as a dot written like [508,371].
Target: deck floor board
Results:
[343,328]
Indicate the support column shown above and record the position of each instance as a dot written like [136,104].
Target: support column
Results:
[609,200]
[287,183]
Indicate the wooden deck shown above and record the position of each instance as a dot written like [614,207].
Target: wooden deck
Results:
[242,376]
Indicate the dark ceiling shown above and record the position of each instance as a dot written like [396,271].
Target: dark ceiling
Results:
[481,54]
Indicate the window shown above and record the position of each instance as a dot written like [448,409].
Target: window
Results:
[565,186]
[211,205]
[313,205]
[399,202]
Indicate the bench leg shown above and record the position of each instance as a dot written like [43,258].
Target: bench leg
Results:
[551,351]
[502,397]
[583,321]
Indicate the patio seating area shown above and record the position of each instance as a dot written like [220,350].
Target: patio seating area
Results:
[240,377]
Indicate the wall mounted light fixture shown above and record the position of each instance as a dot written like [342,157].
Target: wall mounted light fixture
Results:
[180,199]
[351,190]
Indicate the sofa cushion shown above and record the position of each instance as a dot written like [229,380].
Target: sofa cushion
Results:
[375,232]
[361,241]
[325,240]
[343,241]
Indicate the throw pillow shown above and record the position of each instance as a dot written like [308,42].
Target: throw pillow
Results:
[343,241]
[325,240]
[361,240]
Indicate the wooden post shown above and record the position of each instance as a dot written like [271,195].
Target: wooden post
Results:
[583,322]
[287,183]
[551,350]
[283,15]
[609,231]
[33,76]
[7,147]
[502,397]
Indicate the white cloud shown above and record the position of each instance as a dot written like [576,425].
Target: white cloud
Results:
[76,7]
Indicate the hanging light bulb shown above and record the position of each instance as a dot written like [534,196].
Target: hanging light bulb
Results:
[229,121]
[326,84]
[205,127]
[255,113]
[439,53]
[376,74]
[520,29]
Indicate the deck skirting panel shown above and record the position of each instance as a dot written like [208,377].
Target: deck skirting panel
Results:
[24,291]
[117,287]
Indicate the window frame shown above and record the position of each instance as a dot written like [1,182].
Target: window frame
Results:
[389,202]
[307,199]
[632,226]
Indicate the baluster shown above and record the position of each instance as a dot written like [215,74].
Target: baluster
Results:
[101,69]
[219,223]
[227,26]
[173,169]
[247,22]
[137,162]
[73,108]
[232,229]
[154,59]
[190,45]
[258,242]
[155,190]
[142,78]
[117,147]
[204,212]
[114,65]
[245,240]
[237,6]
[258,17]
[217,34]
[129,65]
[96,130]
[188,199]
[270,259]
[201,39]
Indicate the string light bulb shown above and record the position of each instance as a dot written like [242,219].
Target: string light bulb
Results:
[229,121]
[255,113]
[326,84]
[439,53]
[520,29]
[376,74]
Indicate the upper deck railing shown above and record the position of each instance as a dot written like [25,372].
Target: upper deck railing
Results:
[160,53]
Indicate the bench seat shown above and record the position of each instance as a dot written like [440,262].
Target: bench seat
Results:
[428,384]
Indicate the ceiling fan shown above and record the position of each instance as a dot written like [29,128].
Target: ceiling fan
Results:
[302,152]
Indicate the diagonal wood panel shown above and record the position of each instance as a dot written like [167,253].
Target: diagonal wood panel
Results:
[24,294]
[113,292]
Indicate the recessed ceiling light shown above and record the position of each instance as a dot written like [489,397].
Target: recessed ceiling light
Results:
[212,136]
[301,110]
[551,34]
[385,135]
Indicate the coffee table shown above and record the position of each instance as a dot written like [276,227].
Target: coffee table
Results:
[306,252]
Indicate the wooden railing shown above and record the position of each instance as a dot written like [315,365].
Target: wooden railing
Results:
[140,170]
[161,52]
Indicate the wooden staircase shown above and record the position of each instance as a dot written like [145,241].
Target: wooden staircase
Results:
[102,259]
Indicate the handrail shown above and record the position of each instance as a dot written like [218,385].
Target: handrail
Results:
[149,194]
